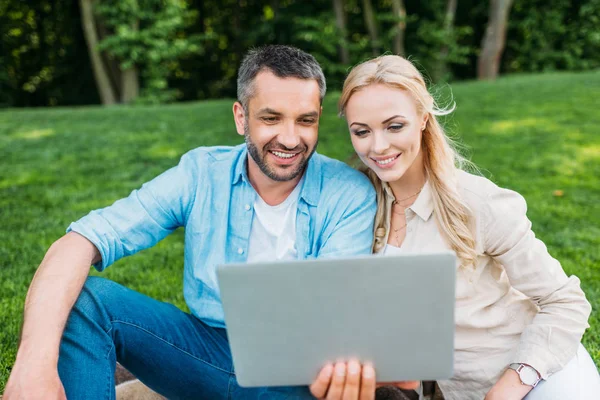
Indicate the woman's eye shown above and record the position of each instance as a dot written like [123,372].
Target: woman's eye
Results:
[361,133]
[396,127]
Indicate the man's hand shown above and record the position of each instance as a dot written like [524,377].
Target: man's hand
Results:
[508,387]
[31,384]
[350,381]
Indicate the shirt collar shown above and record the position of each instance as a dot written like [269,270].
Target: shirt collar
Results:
[240,171]
[311,187]
[423,205]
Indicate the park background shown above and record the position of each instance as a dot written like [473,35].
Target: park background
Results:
[99,96]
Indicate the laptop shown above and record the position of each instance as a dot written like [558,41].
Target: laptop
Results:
[286,320]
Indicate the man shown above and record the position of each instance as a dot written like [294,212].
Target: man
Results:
[268,199]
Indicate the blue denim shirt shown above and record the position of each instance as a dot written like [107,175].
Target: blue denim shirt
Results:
[209,194]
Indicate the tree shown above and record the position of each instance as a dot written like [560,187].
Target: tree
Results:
[441,69]
[400,13]
[88,21]
[493,41]
[340,22]
[371,24]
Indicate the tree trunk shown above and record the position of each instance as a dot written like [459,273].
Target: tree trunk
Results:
[371,25]
[130,82]
[441,70]
[105,89]
[340,22]
[130,87]
[492,44]
[400,13]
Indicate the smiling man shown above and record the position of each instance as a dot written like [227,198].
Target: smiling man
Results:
[272,198]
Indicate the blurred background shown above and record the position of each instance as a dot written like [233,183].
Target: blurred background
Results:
[65,52]
[525,76]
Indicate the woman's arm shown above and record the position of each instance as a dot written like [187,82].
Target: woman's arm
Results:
[552,338]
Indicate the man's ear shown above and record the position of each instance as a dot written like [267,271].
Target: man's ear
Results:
[239,116]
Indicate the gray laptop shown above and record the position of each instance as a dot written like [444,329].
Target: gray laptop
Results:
[285,320]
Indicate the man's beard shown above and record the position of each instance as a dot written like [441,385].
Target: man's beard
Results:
[260,159]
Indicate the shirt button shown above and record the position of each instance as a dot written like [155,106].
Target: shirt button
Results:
[247,207]
[240,251]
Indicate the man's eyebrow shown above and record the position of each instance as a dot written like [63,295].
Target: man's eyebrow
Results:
[312,114]
[268,110]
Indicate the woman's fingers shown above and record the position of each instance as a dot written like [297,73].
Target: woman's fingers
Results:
[336,388]
[352,386]
[367,387]
[321,384]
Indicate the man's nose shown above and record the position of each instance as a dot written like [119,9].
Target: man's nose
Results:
[289,136]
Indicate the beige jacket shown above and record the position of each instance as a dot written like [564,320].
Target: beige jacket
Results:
[516,305]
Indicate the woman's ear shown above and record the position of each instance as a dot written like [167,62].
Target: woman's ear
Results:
[425,119]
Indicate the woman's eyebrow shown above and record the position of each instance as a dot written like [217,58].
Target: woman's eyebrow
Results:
[391,118]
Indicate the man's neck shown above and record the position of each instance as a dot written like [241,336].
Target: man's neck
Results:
[272,192]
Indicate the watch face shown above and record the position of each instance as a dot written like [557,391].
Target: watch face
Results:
[528,375]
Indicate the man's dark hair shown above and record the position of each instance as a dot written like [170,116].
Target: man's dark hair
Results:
[283,62]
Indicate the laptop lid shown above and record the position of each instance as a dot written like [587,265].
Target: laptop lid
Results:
[285,320]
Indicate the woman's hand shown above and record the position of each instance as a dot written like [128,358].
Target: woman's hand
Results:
[350,381]
[508,387]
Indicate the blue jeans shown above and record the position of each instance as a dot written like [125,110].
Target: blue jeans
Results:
[172,352]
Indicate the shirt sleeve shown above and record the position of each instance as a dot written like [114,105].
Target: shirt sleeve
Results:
[350,229]
[552,338]
[145,217]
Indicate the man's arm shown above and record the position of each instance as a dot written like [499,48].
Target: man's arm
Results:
[52,293]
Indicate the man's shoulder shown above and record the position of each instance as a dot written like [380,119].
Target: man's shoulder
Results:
[214,153]
[338,177]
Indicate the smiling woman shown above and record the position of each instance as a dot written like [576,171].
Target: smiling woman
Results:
[519,317]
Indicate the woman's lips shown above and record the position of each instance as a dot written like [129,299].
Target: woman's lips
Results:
[386,162]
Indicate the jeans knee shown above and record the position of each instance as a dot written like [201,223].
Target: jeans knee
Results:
[93,299]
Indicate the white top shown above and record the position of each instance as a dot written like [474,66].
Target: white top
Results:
[390,250]
[273,234]
[516,305]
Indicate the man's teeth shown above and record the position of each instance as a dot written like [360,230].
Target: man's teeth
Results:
[283,155]
[386,161]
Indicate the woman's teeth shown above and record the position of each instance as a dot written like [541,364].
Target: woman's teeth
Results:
[386,161]
[283,155]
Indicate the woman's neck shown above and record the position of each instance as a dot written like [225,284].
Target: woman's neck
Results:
[411,182]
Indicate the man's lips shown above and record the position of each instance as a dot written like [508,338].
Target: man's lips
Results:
[284,157]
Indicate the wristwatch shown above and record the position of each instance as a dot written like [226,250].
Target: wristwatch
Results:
[527,374]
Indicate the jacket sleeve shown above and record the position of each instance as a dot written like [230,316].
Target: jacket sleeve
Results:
[552,338]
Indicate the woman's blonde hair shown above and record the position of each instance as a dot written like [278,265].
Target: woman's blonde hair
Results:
[441,160]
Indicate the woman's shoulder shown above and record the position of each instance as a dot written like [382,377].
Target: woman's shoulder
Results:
[482,195]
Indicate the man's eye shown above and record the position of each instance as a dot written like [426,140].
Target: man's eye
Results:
[396,127]
[309,121]
[269,119]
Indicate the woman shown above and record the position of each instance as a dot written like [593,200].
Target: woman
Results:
[519,318]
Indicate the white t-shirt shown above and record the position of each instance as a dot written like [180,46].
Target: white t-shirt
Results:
[273,234]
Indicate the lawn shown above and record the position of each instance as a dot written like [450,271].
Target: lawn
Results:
[536,134]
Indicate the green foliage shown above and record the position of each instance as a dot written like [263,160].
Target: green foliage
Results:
[533,134]
[191,49]
[150,34]
[553,35]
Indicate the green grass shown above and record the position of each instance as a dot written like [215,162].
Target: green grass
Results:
[534,134]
